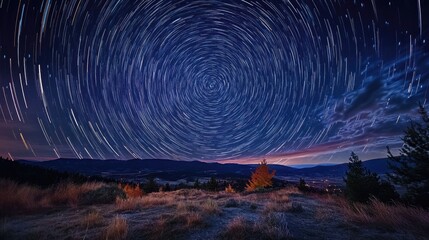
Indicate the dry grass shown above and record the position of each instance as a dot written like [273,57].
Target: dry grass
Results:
[289,191]
[22,198]
[92,219]
[239,228]
[150,200]
[279,196]
[193,194]
[210,207]
[191,219]
[189,206]
[198,214]
[278,202]
[392,217]
[327,199]
[182,199]
[206,208]
[117,229]
[189,215]
[273,226]
[18,198]
[69,193]
[172,226]
[272,207]
[128,204]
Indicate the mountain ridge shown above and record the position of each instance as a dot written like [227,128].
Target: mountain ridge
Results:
[172,169]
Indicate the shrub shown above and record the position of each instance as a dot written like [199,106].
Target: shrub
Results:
[131,191]
[69,193]
[103,195]
[229,189]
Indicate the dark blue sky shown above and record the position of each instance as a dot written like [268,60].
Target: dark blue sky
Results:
[233,81]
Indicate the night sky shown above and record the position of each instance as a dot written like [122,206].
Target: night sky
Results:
[291,81]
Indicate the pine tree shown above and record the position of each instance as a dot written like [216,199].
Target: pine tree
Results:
[197,184]
[302,186]
[151,186]
[167,187]
[212,185]
[411,168]
[361,184]
[261,177]
[356,178]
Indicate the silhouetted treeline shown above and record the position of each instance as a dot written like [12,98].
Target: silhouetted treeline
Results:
[43,177]
[236,183]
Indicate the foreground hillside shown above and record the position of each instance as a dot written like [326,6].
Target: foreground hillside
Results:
[195,214]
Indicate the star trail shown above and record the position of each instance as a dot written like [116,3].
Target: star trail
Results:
[230,81]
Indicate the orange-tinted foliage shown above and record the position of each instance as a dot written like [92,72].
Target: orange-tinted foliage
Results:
[229,189]
[131,191]
[261,177]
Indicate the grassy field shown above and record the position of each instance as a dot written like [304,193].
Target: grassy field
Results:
[88,211]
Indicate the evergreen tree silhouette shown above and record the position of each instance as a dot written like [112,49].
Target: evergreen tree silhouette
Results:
[411,168]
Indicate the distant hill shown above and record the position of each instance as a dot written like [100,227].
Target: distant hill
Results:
[173,170]
[41,176]
[299,166]
[379,166]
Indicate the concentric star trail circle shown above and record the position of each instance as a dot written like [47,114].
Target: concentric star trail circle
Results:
[198,78]
[194,79]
